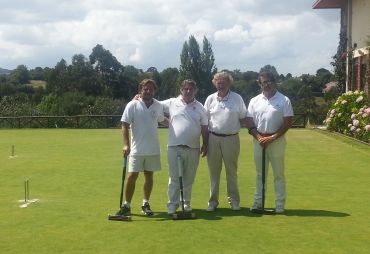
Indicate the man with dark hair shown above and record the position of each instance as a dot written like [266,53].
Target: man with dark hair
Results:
[142,115]
[270,115]
[187,122]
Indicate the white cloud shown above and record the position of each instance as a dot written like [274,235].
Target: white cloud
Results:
[199,29]
[235,34]
[245,34]
[136,56]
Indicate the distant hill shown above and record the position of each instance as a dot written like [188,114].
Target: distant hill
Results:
[4,71]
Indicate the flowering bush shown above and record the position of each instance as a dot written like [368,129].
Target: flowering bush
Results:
[350,115]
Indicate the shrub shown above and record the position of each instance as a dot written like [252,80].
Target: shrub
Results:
[350,115]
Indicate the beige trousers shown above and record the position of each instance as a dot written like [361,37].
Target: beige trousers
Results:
[224,149]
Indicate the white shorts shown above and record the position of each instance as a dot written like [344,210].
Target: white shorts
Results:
[139,163]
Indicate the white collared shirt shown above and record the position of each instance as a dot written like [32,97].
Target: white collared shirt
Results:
[185,121]
[225,114]
[268,114]
[144,124]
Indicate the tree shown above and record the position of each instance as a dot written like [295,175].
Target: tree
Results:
[58,78]
[208,68]
[339,60]
[245,83]
[127,86]
[323,76]
[107,67]
[197,65]
[20,75]
[37,74]
[82,76]
[168,87]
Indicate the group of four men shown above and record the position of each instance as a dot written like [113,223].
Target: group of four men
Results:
[218,122]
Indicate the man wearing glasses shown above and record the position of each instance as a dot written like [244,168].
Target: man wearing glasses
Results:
[269,117]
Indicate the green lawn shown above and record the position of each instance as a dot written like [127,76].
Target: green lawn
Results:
[76,175]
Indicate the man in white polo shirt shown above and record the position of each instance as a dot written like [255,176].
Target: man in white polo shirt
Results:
[187,122]
[226,110]
[142,115]
[270,115]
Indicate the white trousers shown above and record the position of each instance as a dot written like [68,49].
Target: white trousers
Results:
[190,161]
[224,149]
[274,155]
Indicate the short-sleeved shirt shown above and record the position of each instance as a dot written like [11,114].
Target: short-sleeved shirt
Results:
[225,114]
[144,123]
[185,121]
[268,114]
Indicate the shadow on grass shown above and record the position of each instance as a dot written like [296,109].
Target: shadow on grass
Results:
[202,214]
[314,213]
[222,213]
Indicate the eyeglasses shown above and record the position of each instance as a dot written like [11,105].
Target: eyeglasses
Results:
[267,82]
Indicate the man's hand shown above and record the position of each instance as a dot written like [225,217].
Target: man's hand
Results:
[204,150]
[265,141]
[126,151]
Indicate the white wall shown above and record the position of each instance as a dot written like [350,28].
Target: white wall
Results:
[361,23]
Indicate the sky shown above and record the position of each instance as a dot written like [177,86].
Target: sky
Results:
[245,34]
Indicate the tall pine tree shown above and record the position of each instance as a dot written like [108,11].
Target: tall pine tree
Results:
[198,66]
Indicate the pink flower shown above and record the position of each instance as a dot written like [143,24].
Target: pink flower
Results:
[367,128]
[367,110]
[364,115]
[353,116]
[358,130]
[356,122]
[353,128]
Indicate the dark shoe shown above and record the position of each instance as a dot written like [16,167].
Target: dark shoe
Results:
[146,209]
[125,211]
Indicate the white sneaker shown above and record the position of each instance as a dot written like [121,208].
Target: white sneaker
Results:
[235,206]
[187,208]
[256,206]
[171,210]
[211,207]
[279,209]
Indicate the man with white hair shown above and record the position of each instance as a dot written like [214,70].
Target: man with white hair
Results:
[226,110]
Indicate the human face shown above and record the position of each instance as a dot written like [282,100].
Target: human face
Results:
[147,92]
[221,84]
[188,93]
[266,84]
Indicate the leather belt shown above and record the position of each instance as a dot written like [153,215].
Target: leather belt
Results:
[183,146]
[223,135]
